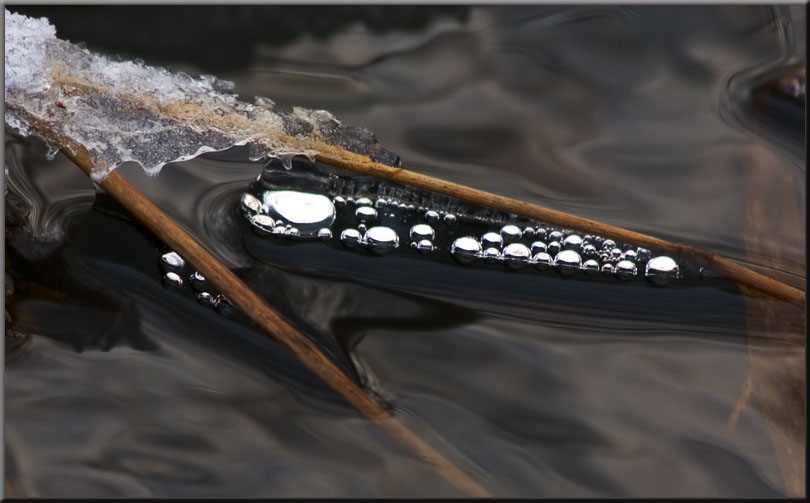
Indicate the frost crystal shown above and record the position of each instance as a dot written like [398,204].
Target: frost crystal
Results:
[128,111]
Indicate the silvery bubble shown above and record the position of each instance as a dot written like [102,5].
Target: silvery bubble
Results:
[450,219]
[424,246]
[465,249]
[590,266]
[492,239]
[516,255]
[325,234]
[431,217]
[350,237]
[224,307]
[305,211]
[554,248]
[366,214]
[555,236]
[492,255]
[510,233]
[198,281]
[172,281]
[206,299]
[250,204]
[171,262]
[572,242]
[543,261]
[262,224]
[422,231]
[538,246]
[568,262]
[624,269]
[661,270]
[381,239]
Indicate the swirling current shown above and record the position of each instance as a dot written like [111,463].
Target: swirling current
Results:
[128,375]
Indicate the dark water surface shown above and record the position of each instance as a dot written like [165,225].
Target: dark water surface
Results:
[534,385]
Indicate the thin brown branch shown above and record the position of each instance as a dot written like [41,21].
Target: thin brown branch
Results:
[240,295]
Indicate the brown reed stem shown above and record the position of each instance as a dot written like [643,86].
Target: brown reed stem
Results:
[240,295]
[738,273]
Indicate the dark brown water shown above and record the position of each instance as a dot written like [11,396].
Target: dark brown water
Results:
[535,386]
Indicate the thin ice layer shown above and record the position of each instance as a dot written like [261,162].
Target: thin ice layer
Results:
[128,111]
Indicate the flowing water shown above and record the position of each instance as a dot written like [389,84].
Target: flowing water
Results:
[535,384]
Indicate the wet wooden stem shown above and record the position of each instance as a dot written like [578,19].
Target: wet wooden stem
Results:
[738,273]
[240,295]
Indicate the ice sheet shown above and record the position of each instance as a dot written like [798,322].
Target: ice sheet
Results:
[129,111]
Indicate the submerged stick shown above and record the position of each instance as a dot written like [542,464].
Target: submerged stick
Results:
[240,295]
[738,273]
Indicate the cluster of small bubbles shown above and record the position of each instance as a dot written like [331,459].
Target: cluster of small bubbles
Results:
[172,264]
[564,250]
[292,214]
